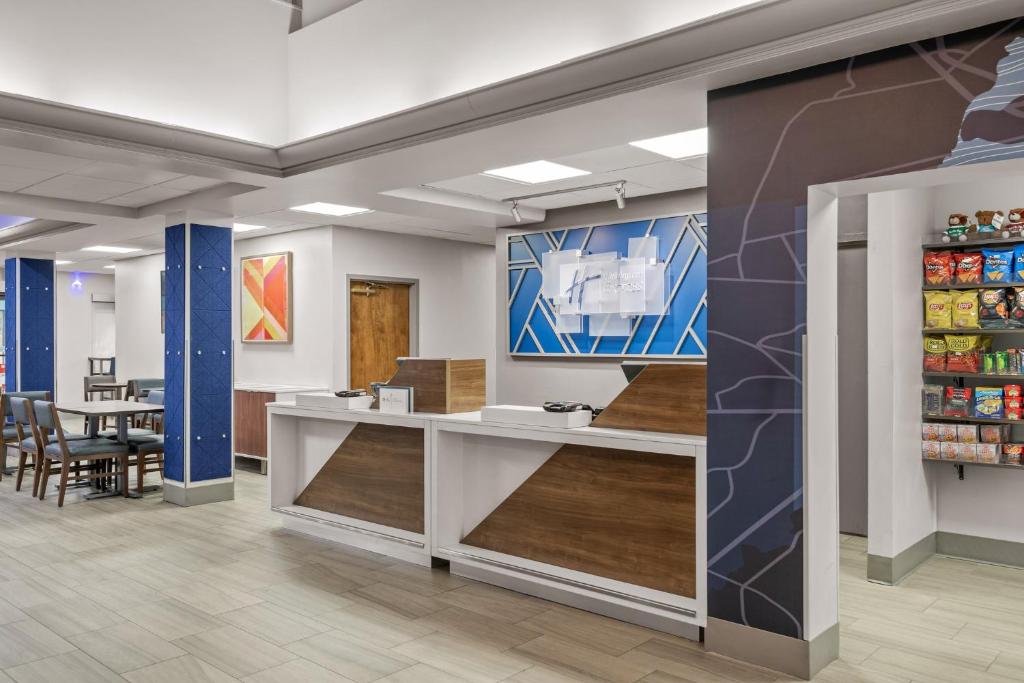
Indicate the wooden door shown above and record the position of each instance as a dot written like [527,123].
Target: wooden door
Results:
[378,330]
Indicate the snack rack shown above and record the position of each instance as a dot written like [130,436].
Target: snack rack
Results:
[1001,337]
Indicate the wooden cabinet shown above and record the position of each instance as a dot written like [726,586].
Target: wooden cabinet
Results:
[443,385]
[251,416]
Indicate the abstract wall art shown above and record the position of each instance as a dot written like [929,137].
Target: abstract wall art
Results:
[267,298]
[624,289]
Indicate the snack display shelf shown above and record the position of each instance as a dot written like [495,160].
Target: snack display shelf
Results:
[972,285]
[971,244]
[972,420]
[975,464]
[972,375]
[973,330]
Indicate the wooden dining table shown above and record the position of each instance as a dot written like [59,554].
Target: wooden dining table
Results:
[122,411]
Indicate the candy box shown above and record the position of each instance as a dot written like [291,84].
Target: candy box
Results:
[931,450]
[967,433]
[988,453]
[949,451]
[967,452]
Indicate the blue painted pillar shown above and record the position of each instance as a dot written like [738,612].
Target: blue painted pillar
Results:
[198,440]
[29,344]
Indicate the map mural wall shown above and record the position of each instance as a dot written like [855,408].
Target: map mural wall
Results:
[958,99]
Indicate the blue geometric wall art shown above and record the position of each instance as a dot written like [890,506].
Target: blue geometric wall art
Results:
[636,289]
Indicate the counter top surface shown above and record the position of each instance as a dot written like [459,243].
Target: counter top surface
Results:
[276,388]
[454,421]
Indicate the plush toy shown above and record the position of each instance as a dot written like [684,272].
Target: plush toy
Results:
[990,221]
[1015,228]
[959,226]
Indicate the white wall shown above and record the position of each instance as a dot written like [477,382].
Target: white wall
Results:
[531,381]
[140,344]
[307,361]
[75,331]
[455,302]
[217,66]
[383,56]
[901,493]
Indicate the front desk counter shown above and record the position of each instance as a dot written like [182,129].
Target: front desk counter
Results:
[608,520]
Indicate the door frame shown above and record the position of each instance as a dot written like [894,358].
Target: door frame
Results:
[414,314]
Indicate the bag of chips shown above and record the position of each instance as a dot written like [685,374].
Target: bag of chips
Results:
[988,402]
[969,268]
[934,354]
[1018,263]
[938,267]
[998,265]
[958,402]
[965,309]
[993,312]
[1015,305]
[963,352]
[938,312]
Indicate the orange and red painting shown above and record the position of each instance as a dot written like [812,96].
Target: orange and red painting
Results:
[267,298]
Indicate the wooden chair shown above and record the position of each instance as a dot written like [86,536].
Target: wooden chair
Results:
[30,443]
[72,453]
[148,451]
[90,395]
[10,432]
[101,366]
[139,390]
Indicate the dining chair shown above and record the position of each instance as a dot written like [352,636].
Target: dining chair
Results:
[148,450]
[72,453]
[139,389]
[10,432]
[89,395]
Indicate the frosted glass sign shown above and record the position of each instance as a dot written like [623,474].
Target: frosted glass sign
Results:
[607,288]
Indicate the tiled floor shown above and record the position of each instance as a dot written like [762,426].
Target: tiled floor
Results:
[144,591]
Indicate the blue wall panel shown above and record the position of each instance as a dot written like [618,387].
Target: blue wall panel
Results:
[210,376]
[11,323]
[174,355]
[36,306]
[680,333]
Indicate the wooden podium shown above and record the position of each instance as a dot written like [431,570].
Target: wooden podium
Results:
[443,385]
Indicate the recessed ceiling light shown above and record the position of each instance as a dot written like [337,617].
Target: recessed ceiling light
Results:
[536,172]
[690,143]
[246,227]
[328,209]
[63,263]
[112,250]
[110,267]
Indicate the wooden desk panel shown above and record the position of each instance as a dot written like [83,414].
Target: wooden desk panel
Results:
[375,475]
[664,397]
[251,422]
[443,385]
[619,514]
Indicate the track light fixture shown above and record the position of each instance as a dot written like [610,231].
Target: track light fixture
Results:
[618,185]
[620,194]
[515,212]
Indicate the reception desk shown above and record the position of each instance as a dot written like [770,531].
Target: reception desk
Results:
[608,520]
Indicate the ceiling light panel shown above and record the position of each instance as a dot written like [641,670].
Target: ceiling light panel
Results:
[536,172]
[62,263]
[246,227]
[328,209]
[690,143]
[111,250]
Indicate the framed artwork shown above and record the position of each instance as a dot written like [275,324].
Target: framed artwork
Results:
[266,291]
[634,289]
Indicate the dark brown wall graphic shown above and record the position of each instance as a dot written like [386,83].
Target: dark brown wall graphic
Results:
[376,475]
[618,514]
[893,111]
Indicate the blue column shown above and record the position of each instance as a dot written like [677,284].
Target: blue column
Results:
[198,445]
[29,324]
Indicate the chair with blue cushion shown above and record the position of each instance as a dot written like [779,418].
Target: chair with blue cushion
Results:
[148,450]
[10,433]
[30,443]
[72,453]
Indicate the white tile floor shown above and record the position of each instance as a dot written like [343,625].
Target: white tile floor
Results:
[141,590]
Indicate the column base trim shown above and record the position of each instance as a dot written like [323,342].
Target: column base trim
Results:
[186,496]
[793,656]
[892,570]
[980,548]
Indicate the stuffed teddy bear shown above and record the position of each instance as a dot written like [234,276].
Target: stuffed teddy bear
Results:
[1015,228]
[959,226]
[989,221]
